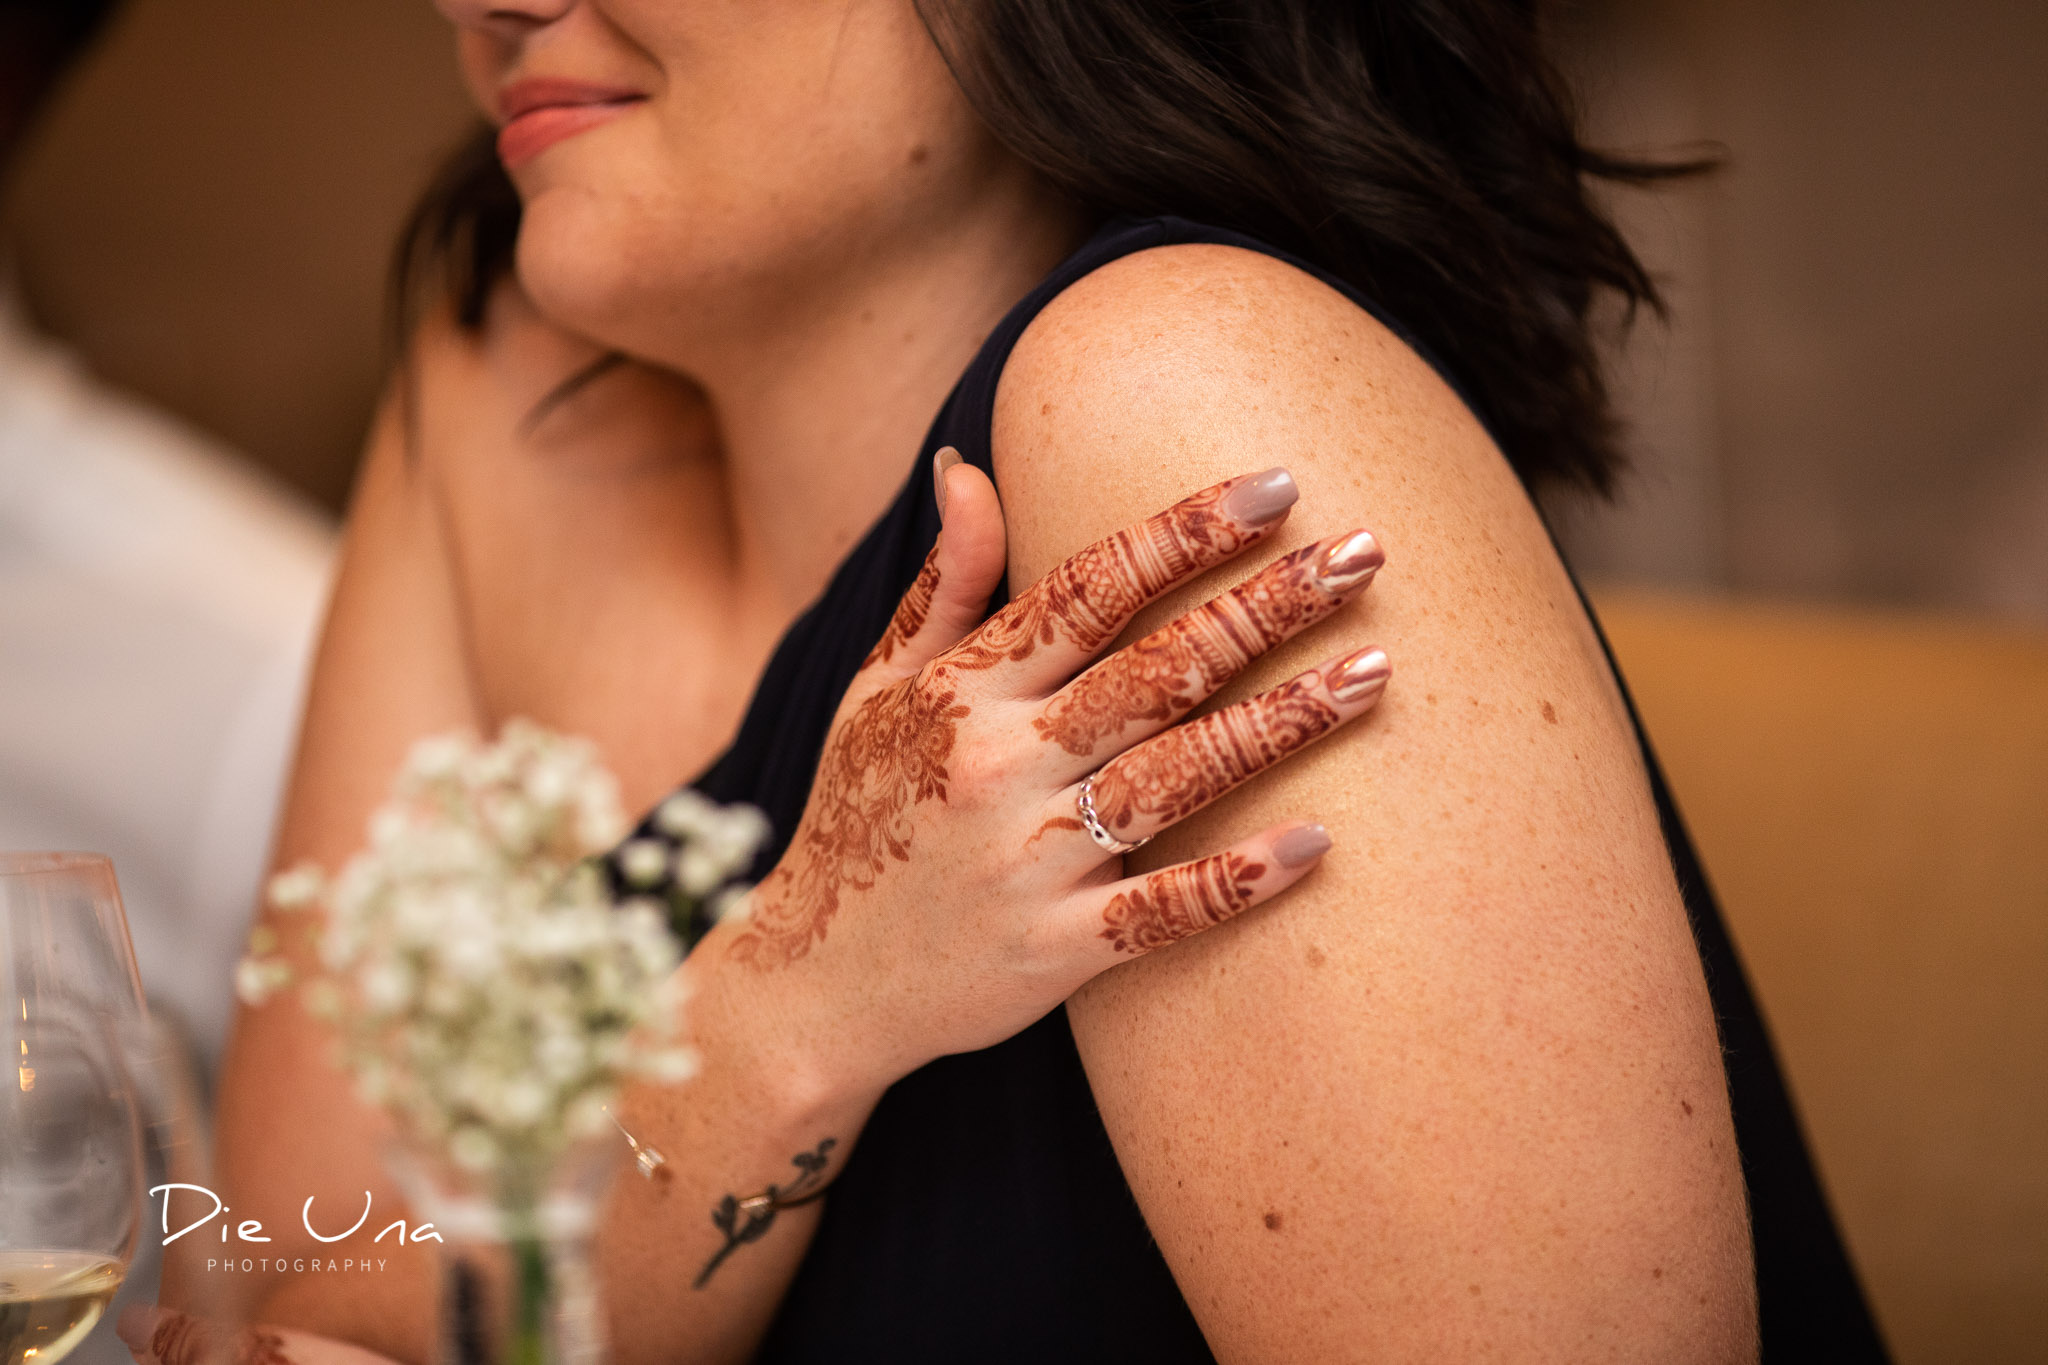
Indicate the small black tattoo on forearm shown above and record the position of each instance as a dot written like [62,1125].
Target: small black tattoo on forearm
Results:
[748,1219]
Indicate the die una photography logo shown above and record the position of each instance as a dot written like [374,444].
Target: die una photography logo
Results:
[242,1239]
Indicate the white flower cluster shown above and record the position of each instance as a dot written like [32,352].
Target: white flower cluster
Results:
[696,849]
[488,990]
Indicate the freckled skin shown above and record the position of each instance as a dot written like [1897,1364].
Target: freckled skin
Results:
[1497,902]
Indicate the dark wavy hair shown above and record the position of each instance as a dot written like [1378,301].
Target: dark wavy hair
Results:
[39,40]
[1425,151]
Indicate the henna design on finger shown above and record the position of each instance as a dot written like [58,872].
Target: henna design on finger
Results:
[888,756]
[1178,901]
[1171,670]
[1169,778]
[910,612]
[1088,597]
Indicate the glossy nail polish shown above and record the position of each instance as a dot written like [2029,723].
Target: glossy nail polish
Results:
[1359,674]
[1301,846]
[1262,498]
[942,462]
[1350,563]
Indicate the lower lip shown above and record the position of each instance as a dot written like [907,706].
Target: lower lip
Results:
[533,132]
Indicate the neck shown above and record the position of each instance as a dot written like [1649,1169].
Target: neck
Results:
[820,416]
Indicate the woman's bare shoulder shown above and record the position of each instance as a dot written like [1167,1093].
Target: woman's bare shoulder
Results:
[1462,1085]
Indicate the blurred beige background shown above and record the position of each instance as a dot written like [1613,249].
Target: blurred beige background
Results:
[1853,400]
[207,211]
[1849,411]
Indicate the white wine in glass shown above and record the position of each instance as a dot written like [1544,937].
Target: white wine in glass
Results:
[71,1026]
[49,1300]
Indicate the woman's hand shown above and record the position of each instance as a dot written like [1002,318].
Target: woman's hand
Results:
[164,1336]
[943,889]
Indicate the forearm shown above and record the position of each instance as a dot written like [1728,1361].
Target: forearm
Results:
[734,1132]
[677,1287]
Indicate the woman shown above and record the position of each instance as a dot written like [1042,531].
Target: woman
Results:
[1462,1093]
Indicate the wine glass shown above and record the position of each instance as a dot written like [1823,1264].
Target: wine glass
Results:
[71,1024]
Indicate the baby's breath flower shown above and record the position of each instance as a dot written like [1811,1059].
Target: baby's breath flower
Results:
[686,815]
[644,862]
[588,1114]
[322,999]
[257,981]
[298,887]
[599,820]
[730,904]
[486,990]
[437,758]
[699,870]
[386,986]
[472,1148]
[670,1066]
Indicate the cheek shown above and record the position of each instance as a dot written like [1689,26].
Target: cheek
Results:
[481,63]
[781,152]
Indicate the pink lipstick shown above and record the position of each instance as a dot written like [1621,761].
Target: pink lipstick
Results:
[540,111]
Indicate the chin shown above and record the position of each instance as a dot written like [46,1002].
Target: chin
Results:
[577,265]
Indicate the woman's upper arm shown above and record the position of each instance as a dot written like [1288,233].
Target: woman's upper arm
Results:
[389,669]
[1459,1094]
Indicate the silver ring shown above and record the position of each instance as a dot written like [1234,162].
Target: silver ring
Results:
[1085,803]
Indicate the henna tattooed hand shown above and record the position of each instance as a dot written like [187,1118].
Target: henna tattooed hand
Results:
[942,891]
[164,1336]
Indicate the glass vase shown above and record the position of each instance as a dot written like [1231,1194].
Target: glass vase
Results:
[517,1281]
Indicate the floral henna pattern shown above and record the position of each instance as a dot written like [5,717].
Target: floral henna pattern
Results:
[1172,669]
[888,756]
[1180,901]
[910,612]
[1171,777]
[1088,598]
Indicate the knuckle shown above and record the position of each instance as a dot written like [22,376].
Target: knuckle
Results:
[986,773]
[1039,952]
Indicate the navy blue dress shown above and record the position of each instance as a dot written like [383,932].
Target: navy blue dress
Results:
[983,1216]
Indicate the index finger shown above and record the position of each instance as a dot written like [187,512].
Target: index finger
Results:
[1049,632]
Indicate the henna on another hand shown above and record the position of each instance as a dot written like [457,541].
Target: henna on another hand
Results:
[182,1339]
[1176,902]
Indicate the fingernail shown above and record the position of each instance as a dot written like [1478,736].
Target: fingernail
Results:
[1358,675]
[1261,498]
[1300,846]
[941,462]
[1349,563]
[135,1327]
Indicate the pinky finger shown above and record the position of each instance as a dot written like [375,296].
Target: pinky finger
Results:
[1139,914]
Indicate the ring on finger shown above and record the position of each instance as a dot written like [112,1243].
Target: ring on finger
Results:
[1085,803]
